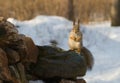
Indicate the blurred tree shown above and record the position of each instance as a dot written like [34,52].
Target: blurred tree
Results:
[115,13]
[71,9]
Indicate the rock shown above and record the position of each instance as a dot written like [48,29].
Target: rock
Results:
[12,70]
[12,55]
[18,73]
[19,46]
[1,81]
[5,73]
[80,81]
[22,73]
[26,49]
[71,81]
[31,50]
[8,32]
[54,62]
[4,69]
[48,50]
[10,38]
[67,81]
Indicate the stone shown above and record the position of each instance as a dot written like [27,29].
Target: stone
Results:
[31,50]
[8,74]
[11,68]
[8,32]
[4,69]
[12,55]
[55,63]
[22,73]
[18,73]
[19,46]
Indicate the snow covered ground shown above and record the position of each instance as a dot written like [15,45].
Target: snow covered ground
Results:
[100,38]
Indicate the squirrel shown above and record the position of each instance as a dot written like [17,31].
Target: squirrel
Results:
[76,44]
[75,38]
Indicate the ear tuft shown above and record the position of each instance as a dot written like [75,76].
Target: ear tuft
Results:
[74,21]
[78,21]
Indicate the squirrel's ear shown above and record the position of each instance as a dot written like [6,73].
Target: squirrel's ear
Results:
[78,21]
[73,21]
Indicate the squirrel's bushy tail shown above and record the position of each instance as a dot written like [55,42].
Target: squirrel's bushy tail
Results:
[88,57]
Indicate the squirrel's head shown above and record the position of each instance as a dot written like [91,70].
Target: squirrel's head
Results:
[76,25]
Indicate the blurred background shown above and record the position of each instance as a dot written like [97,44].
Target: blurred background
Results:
[86,10]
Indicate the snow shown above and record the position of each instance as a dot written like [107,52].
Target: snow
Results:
[100,38]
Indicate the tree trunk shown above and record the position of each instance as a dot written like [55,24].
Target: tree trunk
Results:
[71,9]
[115,13]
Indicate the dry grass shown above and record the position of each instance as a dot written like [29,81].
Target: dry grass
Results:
[93,10]
[86,10]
